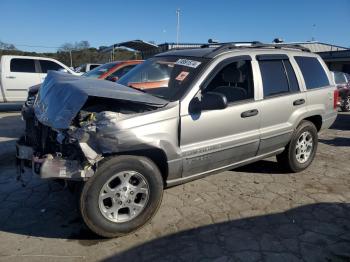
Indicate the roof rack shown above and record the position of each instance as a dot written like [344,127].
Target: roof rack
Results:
[229,44]
[282,45]
[254,44]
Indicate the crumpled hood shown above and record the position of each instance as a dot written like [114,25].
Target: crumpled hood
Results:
[61,96]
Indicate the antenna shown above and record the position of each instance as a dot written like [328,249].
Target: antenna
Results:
[177,26]
[313,32]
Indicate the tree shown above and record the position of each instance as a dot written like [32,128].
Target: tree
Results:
[66,47]
[82,45]
[7,46]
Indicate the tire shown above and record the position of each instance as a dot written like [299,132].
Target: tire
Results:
[97,213]
[345,107]
[289,159]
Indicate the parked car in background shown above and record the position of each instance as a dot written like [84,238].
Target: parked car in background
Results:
[112,71]
[209,110]
[18,73]
[85,68]
[342,80]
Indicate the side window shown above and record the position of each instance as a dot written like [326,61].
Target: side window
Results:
[292,79]
[119,73]
[235,81]
[339,78]
[274,78]
[22,65]
[47,65]
[93,66]
[313,72]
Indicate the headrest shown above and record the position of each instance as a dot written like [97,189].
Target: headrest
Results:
[232,75]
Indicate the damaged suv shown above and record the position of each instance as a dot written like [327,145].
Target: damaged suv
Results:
[179,116]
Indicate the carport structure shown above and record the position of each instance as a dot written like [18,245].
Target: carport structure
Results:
[336,57]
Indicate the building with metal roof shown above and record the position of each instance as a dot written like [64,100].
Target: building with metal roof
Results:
[336,57]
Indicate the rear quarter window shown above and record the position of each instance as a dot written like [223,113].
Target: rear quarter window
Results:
[313,73]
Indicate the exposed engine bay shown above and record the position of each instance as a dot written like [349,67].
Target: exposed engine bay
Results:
[56,149]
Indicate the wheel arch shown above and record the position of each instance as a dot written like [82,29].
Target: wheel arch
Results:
[156,155]
[316,120]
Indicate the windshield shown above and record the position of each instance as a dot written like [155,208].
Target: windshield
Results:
[165,77]
[100,70]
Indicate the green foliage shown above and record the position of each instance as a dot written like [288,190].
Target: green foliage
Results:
[81,51]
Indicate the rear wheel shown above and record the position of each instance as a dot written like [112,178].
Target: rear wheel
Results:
[346,104]
[301,150]
[122,196]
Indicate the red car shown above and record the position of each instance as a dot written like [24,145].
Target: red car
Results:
[112,71]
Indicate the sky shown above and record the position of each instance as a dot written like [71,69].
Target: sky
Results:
[48,23]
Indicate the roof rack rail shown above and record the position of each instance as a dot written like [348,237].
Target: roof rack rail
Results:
[282,45]
[229,44]
[253,44]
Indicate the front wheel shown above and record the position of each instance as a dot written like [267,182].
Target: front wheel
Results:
[346,104]
[301,150]
[122,196]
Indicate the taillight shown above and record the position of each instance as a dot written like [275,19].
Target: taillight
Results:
[336,98]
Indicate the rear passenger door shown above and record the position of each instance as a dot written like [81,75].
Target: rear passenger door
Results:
[282,102]
[20,74]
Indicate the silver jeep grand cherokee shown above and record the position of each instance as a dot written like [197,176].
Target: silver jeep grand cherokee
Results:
[179,116]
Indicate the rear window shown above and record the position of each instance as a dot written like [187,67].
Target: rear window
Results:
[313,72]
[22,65]
[339,78]
[100,70]
[274,78]
[49,65]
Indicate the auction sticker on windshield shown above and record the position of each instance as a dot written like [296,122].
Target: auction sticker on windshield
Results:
[187,62]
[182,76]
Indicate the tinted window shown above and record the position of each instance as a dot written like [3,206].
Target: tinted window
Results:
[93,66]
[313,72]
[22,65]
[49,65]
[274,77]
[292,79]
[235,81]
[122,71]
[100,70]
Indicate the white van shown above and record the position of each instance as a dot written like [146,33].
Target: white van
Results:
[18,73]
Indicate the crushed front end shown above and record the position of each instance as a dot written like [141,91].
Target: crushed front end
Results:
[53,153]
[73,123]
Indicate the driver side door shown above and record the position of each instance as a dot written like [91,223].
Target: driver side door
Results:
[215,139]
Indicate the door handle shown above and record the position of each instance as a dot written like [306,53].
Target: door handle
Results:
[250,113]
[11,77]
[298,102]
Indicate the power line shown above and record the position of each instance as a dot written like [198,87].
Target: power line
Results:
[41,46]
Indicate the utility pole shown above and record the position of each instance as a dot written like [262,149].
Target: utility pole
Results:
[71,58]
[177,26]
[313,32]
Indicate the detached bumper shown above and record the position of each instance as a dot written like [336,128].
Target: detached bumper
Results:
[49,166]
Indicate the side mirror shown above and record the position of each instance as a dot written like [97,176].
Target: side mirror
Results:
[112,78]
[213,101]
